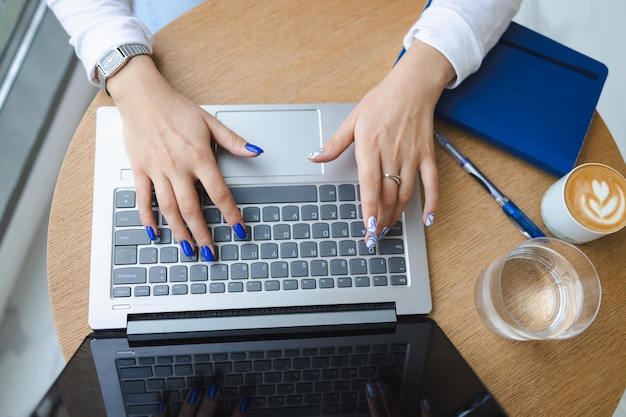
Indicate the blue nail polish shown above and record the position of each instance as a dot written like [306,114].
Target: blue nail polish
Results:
[186,247]
[240,231]
[244,405]
[253,148]
[206,252]
[193,396]
[212,391]
[371,390]
[383,233]
[151,234]
[161,407]
[430,219]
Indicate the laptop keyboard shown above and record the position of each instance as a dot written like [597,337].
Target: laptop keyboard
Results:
[292,382]
[299,237]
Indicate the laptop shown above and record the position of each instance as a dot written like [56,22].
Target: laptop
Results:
[296,345]
[304,263]
[318,372]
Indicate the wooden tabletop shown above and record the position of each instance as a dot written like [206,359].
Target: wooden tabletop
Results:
[285,51]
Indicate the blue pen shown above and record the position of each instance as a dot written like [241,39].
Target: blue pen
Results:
[517,217]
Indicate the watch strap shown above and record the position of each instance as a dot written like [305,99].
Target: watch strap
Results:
[127,52]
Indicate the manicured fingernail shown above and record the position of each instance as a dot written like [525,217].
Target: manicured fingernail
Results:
[212,391]
[253,148]
[193,396]
[244,405]
[240,231]
[186,247]
[372,225]
[161,407]
[430,219]
[371,389]
[372,228]
[315,154]
[383,233]
[151,234]
[381,386]
[207,254]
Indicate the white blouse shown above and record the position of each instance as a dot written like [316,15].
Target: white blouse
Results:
[462,30]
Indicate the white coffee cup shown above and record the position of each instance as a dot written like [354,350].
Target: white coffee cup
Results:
[587,203]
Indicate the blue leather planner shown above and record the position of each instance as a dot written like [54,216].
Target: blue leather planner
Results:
[532,97]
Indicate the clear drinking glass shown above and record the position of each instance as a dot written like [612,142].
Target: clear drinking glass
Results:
[544,289]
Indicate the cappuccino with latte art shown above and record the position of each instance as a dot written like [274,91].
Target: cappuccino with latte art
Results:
[588,203]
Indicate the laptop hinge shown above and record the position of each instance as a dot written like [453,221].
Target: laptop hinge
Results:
[254,321]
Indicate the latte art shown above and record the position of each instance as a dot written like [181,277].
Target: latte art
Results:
[596,197]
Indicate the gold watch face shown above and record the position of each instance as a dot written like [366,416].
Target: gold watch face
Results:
[111,60]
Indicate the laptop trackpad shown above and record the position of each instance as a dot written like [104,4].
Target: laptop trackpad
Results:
[286,136]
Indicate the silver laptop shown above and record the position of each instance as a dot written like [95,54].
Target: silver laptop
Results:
[304,262]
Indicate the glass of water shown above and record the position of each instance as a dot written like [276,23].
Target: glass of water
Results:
[544,289]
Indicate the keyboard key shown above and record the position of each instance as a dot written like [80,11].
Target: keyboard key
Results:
[130,237]
[253,286]
[271,214]
[259,270]
[178,273]
[348,211]
[282,231]
[251,214]
[299,269]
[239,271]
[329,212]
[148,255]
[125,255]
[290,213]
[301,231]
[347,192]
[327,283]
[199,273]
[397,265]
[380,281]
[125,199]
[235,287]
[157,274]
[399,280]
[288,250]
[262,232]
[198,288]
[290,284]
[179,289]
[212,215]
[249,251]
[309,212]
[390,246]
[272,285]
[219,272]
[123,276]
[279,269]
[308,284]
[275,194]
[120,292]
[328,193]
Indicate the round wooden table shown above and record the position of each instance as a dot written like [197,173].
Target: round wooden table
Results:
[285,51]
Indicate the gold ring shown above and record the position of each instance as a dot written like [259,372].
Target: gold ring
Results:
[393,177]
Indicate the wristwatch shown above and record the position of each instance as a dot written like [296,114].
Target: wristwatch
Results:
[114,59]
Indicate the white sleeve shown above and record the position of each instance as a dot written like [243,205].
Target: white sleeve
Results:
[94,26]
[463,31]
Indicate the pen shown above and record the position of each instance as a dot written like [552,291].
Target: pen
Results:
[517,217]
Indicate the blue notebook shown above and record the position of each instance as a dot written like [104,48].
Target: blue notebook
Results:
[532,97]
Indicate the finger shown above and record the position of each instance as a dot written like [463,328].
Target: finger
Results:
[143,190]
[229,140]
[209,402]
[387,201]
[161,410]
[168,205]
[371,183]
[191,404]
[338,143]
[405,192]
[217,189]
[242,408]
[430,182]
[374,400]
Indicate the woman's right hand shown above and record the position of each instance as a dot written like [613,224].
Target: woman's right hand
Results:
[203,404]
[168,139]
